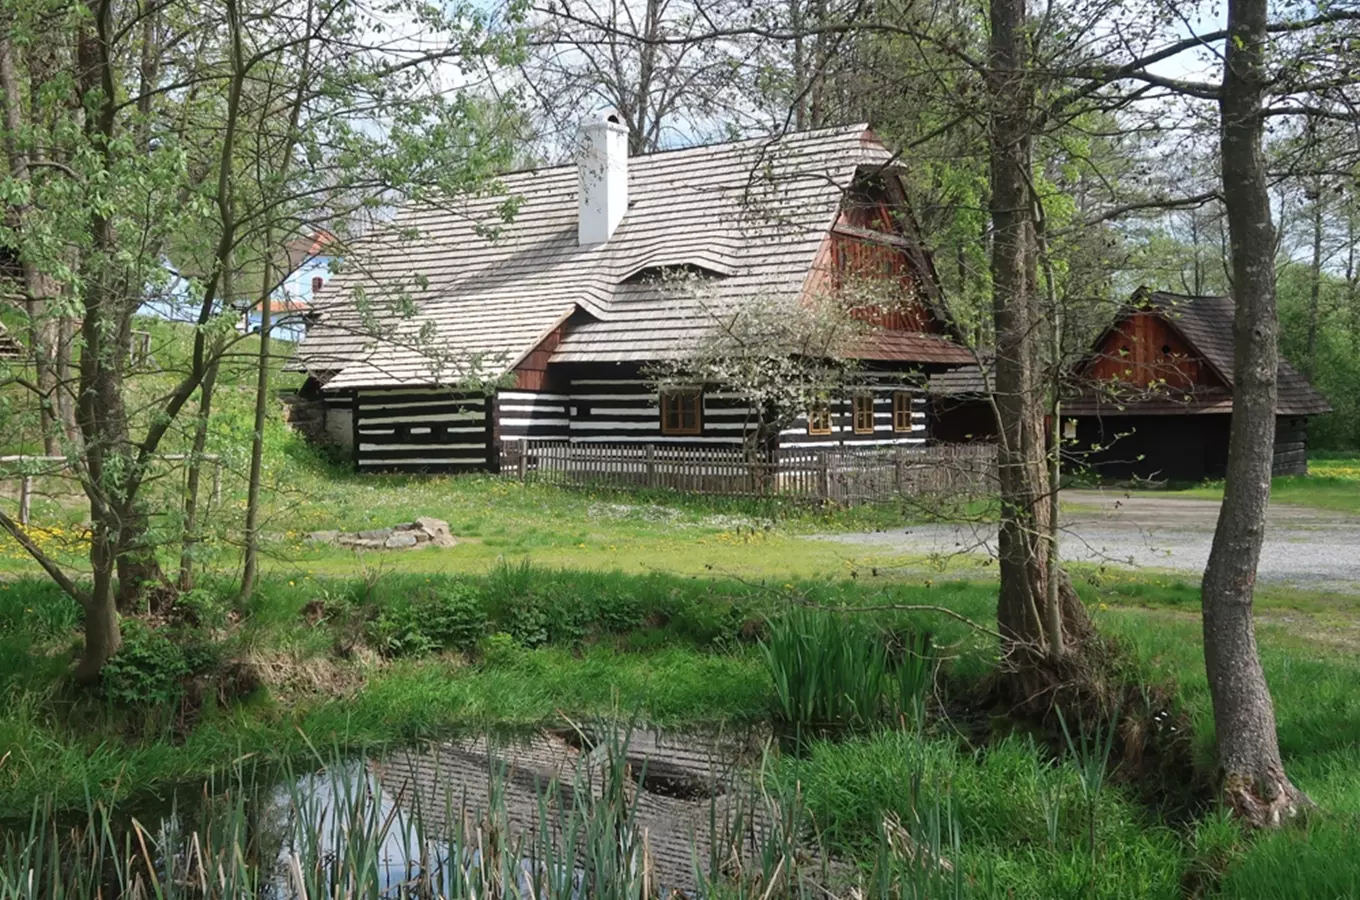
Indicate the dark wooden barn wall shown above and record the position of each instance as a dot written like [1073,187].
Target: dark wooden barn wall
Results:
[961,420]
[1145,350]
[1291,446]
[1179,447]
[422,429]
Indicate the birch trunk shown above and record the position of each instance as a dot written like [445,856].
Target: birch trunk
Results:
[1254,781]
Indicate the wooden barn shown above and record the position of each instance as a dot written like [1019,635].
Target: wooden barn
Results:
[1151,400]
[561,312]
[1154,396]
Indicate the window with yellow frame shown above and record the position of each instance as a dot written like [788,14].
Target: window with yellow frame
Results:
[902,411]
[863,418]
[819,418]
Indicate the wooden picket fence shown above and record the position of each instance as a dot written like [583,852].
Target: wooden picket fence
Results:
[843,475]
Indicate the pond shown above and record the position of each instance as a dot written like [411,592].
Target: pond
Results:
[590,812]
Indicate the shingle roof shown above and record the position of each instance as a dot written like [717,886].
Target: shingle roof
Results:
[960,382]
[1206,323]
[750,216]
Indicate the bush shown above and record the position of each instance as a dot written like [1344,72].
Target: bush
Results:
[148,670]
[449,618]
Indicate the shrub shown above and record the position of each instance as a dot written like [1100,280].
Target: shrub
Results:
[147,670]
[449,618]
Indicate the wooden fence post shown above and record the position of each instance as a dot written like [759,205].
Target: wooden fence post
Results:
[523,461]
[651,466]
[25,498]
[824,487]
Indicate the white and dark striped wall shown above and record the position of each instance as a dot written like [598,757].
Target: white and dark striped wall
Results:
[628,410]
[534,415]
[843,433]
[409,429]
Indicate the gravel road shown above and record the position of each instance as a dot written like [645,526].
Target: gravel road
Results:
[1305,548]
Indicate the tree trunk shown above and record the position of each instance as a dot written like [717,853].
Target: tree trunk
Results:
[1315,281]
[138,567]
[38,287]
[191,488]
[1254,781]
[1020,389]
[102,415]
[250,567]
[102,634]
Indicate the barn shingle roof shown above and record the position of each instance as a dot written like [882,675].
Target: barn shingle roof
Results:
[1206,323]
[748,217]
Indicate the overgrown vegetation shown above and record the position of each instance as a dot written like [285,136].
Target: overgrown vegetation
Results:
[520,646]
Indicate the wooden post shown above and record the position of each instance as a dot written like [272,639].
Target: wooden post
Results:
[523,460]
[651,465]
[25,498]
[825,486]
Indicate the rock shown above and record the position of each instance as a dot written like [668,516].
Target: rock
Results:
[438,531]
[422,532]
[368,544]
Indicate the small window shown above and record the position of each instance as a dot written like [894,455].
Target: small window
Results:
[864,413]
[819,418]
[902,411]
[317,282]
[680,411]
[1069,431]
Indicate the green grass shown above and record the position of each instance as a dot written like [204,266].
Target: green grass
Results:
[681,651]
[588,603]
[1332,483]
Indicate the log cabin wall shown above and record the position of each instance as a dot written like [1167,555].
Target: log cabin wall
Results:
[423,429]
[618,404]
[1291,446]
[883,389]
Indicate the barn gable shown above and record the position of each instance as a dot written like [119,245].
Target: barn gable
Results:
[1173,353]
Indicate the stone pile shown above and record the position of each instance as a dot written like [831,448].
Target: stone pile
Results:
[423,532]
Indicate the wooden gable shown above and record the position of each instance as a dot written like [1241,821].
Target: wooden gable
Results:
[867,246]
[1143,350]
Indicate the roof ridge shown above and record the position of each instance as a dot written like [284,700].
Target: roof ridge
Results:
[859,128]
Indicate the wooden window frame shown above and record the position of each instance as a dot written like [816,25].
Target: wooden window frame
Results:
[856,412]
[669,401]
[819,418]
[902,420]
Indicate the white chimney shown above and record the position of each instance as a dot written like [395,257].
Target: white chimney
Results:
[603,180]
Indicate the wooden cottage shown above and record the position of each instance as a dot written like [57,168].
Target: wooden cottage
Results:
[564,309]
[1154,396]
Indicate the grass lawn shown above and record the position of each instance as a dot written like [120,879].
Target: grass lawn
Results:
[1331,484]
[560,605]
[404,656]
